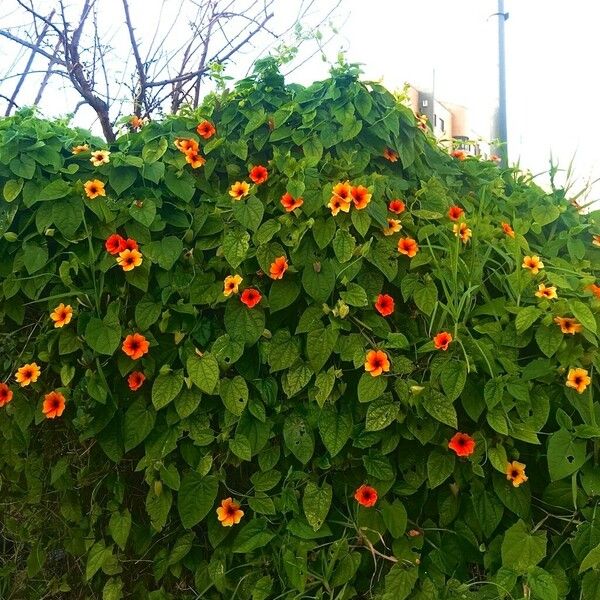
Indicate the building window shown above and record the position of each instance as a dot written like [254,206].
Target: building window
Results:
[442,124]
[434,120]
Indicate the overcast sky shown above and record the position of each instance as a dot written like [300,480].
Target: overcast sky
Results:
[552,45]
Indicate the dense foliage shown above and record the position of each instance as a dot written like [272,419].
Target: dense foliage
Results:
[396,390]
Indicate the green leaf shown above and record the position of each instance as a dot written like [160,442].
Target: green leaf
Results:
[165,388]
[335,427]
[453,376]
[378,466]
[58,188]
[545,213]
[526,317]
[361,221]
[122,178]
[119,526]
[316,502]
[298,438]
[253,535]
[102,337]
[143,211]
[12,188]
[236,243]
[319,346]
[400,582]
[355,295]
[137,423]
[196,497]
[343,245]
[370,388]
[521,549]
[249,213]
[394,517]
[283,350]
[234,393]
[283,292]
[244,324]
[440,408]
[204,372]
[147,312]
[165,252]
[318,280]
[97,554]
[440,465]
[381,413]
[240,446]
[583,314]
[565,454]
[548,338]
[35,257]
[542,585]
[591,560]
[425,297]
[181,186]
[154,149]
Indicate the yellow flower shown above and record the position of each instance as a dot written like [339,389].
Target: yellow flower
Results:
[546,292]
[393,226]
[231,284]
[515,472]
[578,379]
[62,315]
[533,263]
[27,374]
[129,259]
[462,231]
[80,149]
[100,157]
[239,189]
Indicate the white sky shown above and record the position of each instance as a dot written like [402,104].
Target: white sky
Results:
[552,47]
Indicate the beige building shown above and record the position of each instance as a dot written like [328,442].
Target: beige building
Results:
[449,122]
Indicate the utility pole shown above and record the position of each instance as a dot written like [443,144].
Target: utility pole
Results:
[502,128]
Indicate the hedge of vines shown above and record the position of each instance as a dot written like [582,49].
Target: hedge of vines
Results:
[285,347]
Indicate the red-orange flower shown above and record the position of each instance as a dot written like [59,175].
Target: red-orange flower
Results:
[568,325]
[62,315]
[195,159]
[578,379]
[288,202]
[442,340]
[130,244]
[6,394]
[360,196]
[27,374]
[455,213]
[390,154]
[54,405]
[376,363]
[251,297]
[508,230]
[408,246]
[278,268]
[396,206]
[229,512]
[114,244]
[135,346]
[206,129]
[384,305]
[462,443]
[129,259]
[366,495]
[459,154]
[258,174]
[136,380]
[595,289]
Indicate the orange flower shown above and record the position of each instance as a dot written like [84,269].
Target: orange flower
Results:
[459,154]
[100,157]
[396,206]
[384,305]
[239,189]
[442,340]
[366,495]
[595,289]
[462,443]
[462,231]
[194,159]
[343,190]
[136,122]
[27,374]
[546,292]
[390,154]
[187,145]
[533,263]
[136,380]
[135,346]
[206,129]
[278,268]
[6,394]
[258,174]
[251,297]
[94,188]
[129,259]
[408,246]
[596,240]
[422,122]
[360,196]
[376,362]
[80,149]
[62,315]
[455,212]
[54,405]
[288,202]
[495,158]
[508,230]
[393,226]
[229,512]
[568,325]
[230,285]
[578,379]
[336,204]
[114,244]
[515,472]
